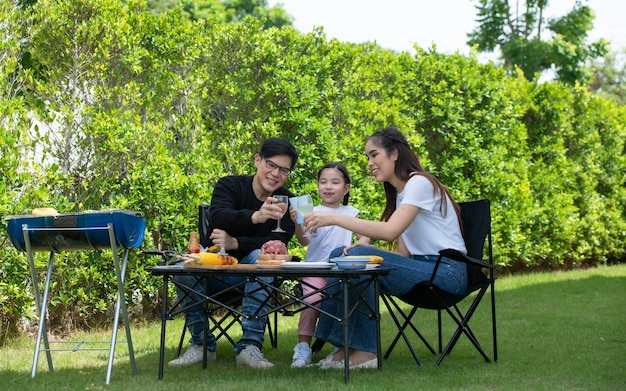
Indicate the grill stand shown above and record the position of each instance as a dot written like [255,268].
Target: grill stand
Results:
[42,302]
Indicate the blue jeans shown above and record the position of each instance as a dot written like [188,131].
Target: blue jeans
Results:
[253,329]
[405,273]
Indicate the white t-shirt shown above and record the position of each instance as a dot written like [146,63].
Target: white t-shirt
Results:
[330,237]
[430,231]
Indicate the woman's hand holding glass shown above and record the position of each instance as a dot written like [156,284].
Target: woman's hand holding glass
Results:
[317,219]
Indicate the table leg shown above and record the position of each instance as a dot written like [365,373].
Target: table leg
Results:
[163,326]
[346,331]
[205,324]
[377,310]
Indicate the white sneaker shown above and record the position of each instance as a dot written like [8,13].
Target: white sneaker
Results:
[193,355]
[301,355]
[252,357]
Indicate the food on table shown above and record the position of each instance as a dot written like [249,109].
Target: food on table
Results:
[374,259]
[216,259]
[214,249]
[273,252]
[274,247]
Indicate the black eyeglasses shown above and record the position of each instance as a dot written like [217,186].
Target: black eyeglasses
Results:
[284,171]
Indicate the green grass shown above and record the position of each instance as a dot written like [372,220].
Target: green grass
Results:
[556,331]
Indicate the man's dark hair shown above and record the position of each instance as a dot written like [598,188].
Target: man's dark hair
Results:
[279,146]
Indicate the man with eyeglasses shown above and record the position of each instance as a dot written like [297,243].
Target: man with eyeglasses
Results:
[243,217]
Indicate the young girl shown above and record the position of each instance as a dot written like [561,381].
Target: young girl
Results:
[333,185]
[420,216]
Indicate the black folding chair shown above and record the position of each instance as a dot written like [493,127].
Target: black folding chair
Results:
[476,219]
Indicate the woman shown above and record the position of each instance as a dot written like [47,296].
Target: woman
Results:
[420,215]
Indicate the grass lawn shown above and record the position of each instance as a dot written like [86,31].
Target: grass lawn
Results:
[556,331]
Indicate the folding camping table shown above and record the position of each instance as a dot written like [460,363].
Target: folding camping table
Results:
[353,283]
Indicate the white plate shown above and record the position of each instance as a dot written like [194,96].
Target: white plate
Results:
[307,265]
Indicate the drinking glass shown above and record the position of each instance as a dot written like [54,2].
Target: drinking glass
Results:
[305,206]
[281,202]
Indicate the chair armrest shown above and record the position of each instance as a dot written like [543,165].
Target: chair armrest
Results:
[460,257]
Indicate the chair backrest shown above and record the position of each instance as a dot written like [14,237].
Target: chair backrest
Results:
[476,218]
[204,225]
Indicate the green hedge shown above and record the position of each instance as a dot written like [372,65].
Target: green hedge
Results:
[123,109]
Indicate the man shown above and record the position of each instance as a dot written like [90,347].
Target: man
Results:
[243,218]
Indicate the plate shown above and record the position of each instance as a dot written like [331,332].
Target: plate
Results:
[307,265]
[351,263]
[269,263]
[367,267]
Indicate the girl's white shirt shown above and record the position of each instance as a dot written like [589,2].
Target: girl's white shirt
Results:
[430,231]
[330,237]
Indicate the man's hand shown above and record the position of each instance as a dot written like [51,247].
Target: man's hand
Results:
[267,211]
[221,238]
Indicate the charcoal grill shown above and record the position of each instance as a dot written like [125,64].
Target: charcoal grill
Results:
[92,230]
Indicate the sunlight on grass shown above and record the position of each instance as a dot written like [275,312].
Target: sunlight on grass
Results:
[524,280]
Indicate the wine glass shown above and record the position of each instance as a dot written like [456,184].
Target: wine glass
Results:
[305,206]
[281,202]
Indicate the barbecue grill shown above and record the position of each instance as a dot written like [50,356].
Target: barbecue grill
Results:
[77,231]
[91,230]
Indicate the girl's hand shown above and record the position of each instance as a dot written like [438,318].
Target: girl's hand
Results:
[356,244]
[293,214]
